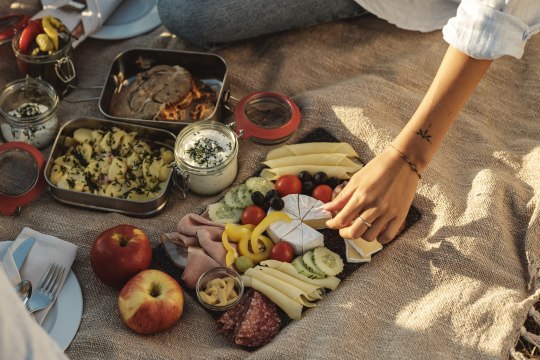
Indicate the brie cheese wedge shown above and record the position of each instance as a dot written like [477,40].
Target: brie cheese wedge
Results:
[307,215]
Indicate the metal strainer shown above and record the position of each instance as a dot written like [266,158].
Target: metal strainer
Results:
[21,175]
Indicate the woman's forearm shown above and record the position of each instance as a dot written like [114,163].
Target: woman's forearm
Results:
[452,86]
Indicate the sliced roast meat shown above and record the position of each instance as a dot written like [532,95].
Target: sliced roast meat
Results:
[197,263]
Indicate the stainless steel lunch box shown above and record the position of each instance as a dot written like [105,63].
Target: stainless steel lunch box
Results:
[209,68]
[105,203]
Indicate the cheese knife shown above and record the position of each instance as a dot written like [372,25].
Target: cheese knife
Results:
[20,254]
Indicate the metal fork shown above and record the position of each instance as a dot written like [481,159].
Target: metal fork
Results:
[46,290]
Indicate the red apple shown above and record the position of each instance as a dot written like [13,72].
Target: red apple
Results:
[151,302]
[119,253]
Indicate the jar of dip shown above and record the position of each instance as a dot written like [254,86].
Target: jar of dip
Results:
[57,68]
[28,112]
[206,155]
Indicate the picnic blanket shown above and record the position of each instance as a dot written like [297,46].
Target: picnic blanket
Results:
[458,285]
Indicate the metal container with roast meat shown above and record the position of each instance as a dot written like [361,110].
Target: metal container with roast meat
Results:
[164,88]
[110,166]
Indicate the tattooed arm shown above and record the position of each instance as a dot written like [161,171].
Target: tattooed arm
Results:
[382,192]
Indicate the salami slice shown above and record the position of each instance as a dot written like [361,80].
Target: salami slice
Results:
[231,319]
[260,324]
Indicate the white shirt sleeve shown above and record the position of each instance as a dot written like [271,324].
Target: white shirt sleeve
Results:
[488,29]
[21,338]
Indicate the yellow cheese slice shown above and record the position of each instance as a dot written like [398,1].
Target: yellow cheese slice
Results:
[311,148]
[312,159]
[353,256]
[365,248]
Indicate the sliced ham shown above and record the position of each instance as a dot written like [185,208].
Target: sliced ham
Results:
[197,263]
[181,239]
[191,223]
[213,248]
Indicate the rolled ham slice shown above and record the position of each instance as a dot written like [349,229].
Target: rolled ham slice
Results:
[191,223]
[213,248]
[197,263]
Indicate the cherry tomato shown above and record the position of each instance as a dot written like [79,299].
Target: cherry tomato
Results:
[253,214]
[323,193]
[288,184]
[282,251]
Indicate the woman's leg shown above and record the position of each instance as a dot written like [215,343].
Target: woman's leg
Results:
[211,22]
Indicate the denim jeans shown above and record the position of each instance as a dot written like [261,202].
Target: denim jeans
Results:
[209,23]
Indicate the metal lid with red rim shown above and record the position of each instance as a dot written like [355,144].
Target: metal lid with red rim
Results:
[10,24]
[266,117]
[21,175]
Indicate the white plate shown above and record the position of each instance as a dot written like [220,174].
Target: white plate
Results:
[131,18]
[62,321]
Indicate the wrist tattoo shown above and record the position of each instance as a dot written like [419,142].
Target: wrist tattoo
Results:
[424,134]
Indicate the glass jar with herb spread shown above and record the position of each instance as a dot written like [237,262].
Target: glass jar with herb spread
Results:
[206,154]
[28,112]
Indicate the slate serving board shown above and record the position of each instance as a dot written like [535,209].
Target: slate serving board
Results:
[332,240]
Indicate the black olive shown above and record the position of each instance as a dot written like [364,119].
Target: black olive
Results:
[277,203]
[320,178]
[305,176]
[307,187]
[271,194]
[258,198]
[333,182]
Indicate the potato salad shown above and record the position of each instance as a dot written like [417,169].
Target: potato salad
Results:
[112,162]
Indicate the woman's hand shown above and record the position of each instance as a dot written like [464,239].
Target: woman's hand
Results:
[381,194]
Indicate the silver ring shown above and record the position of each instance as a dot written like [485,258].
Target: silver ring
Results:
[364,221]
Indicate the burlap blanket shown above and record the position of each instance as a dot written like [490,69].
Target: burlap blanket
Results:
[455,286]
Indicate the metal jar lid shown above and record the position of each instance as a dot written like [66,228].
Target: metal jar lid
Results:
[21,176]
[266,117]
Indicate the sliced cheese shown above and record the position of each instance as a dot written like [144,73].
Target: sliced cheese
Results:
[365,248]
[329,282]
[292,308]
[286,288]
[313,291]
[312,148]
[353,256]
[312,159]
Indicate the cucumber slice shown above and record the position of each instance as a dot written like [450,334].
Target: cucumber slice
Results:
[244,196]
[231,197]
[308,261]
[259,184]
[221,213]
[328,261]
[299,266]
[238,197]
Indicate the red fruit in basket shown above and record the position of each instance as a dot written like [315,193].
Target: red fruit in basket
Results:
[288,184]
[29,34]
[119,253]
[150,302]
[322,193]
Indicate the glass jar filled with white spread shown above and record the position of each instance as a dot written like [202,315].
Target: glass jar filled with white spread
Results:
[206,154]
[28,112]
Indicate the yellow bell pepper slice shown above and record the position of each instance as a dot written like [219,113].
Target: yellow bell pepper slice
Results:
[237,232]
[263,225]
[243,248]
[231,252]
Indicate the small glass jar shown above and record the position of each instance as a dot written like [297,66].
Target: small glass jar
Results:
[206,155]
[57,68]
[38,130]
[219,273]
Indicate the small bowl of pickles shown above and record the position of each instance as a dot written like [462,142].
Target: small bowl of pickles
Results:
[219,289]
